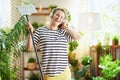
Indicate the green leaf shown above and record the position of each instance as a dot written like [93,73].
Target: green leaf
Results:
[73,45]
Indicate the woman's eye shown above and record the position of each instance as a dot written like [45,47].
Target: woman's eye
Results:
[59,16]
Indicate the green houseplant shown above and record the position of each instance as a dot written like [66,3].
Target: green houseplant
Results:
[86,60]
[34,76]
[109,68]
[68,14]
[77,71]
[52,6]
[11,43]
[31,60]
[37,25]
[115,40]
[31,63]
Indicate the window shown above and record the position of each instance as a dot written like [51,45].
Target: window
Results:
[110,18]
[5,13]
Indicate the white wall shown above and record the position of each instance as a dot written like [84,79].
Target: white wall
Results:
[72,5]
[5,13]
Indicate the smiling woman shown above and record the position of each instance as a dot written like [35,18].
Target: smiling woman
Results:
[52,40]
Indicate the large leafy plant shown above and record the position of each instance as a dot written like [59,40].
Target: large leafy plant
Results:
[34,76]
[78,73]
[11,43]
[109,68]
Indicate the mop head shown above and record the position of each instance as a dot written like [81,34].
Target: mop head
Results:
[26,9]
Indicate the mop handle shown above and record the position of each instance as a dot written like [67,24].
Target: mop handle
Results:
[42,76]
[40,67]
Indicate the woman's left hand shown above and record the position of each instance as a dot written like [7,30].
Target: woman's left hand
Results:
[65,25]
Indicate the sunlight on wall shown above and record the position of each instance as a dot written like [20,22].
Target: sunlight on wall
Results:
[15,15]
[5,13]
[110,19]
[9,14]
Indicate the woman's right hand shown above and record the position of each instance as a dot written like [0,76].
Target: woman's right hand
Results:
[29,26]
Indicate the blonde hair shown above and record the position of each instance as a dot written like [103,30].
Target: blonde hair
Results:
[55,10]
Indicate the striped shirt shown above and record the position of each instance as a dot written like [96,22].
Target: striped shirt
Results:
[53,48]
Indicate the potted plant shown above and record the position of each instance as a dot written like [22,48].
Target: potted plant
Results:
[86,60]
[115,40]
[109,68]
[78,72]
[52,6]
[31,63]
[37,25]
[34,76]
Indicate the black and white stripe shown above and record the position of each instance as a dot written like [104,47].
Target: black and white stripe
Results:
[53,47]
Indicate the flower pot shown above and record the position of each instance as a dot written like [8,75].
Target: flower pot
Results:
[115,42]
[31,65]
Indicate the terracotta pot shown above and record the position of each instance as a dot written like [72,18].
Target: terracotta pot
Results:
[31,65]
[115,42]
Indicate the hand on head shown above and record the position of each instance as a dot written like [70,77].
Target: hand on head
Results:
[65,24]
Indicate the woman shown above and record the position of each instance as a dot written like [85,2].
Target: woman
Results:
[53,45]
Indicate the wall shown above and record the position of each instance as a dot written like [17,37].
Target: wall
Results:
[5,13]
[71,5]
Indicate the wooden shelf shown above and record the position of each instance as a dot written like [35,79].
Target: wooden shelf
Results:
[41,12]
[44,8]
[31,69]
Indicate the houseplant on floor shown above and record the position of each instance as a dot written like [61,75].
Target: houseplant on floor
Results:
[78,72]
[34,76]
[11,43]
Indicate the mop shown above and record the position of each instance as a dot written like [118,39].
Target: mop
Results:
[26,10]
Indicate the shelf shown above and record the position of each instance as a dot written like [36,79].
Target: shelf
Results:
[44,8]
[38,14]
[30,69]
[41,12]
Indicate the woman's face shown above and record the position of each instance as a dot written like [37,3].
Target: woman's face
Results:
[58,17]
